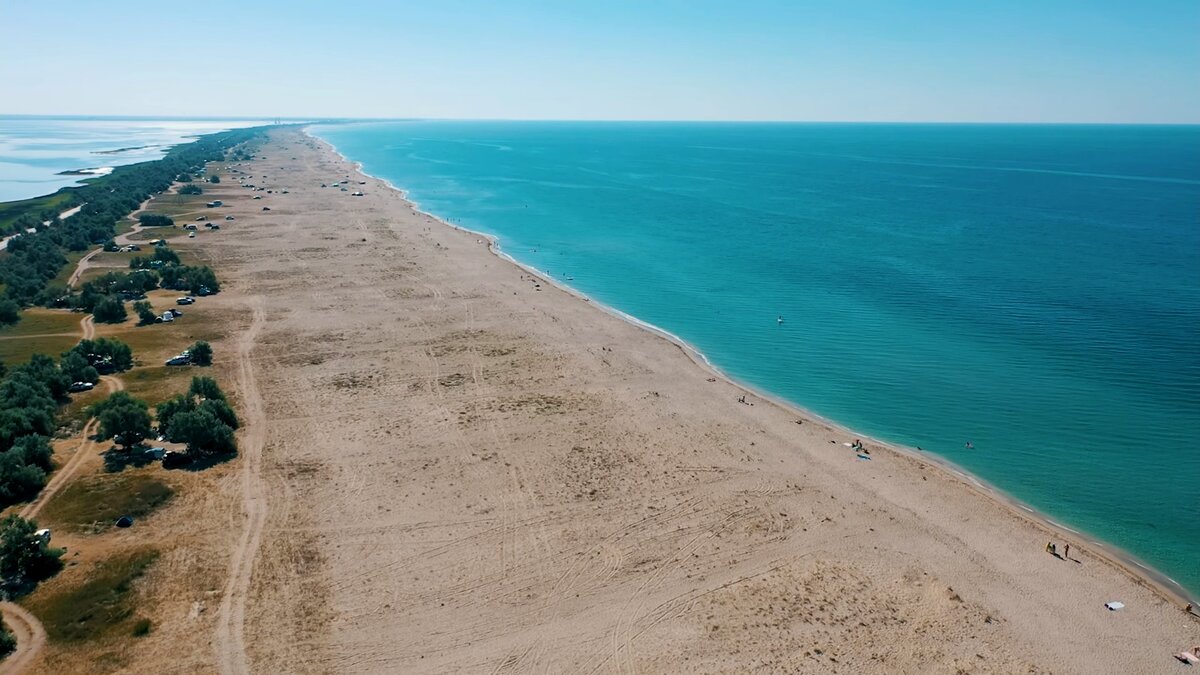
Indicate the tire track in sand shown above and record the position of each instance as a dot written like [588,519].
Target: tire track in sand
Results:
[230,640]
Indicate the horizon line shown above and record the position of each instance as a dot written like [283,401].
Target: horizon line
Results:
[315,119]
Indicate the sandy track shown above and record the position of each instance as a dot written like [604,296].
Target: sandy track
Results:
[229,640]
[31,637]
[84,264]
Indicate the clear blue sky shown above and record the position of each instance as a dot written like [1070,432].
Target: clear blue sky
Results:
[967,60]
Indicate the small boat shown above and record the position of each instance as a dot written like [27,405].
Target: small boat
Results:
[779,320]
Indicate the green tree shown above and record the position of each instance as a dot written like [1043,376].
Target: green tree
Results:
[10,312]
[202,432]
[110,350]
[44,369]
[145,312]
[206,387]
[19,481]
[8,642]
[34,450]
[77,369]
[201,353]
[110,310]
[124,418]
[155,220]
[24,557]
[164,412]
[190,189]
[221,410]
[214,178]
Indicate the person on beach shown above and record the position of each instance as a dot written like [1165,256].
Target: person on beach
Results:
[1067,551]
[1050,548]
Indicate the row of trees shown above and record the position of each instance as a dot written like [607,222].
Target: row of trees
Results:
[35,259]
[105,295]
[29,399]
[201,418]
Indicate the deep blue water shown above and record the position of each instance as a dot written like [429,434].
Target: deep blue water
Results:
[1032,289]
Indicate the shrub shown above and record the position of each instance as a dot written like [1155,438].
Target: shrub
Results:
[23,557]
[214,179]
[9,312]
[190,189]
[201,353]
[155,220]
[111,309]
[145,312]
[124,418]
[8,642]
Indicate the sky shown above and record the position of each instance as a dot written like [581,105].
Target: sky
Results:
[838,60]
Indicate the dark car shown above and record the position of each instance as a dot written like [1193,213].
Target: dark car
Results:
[77,387]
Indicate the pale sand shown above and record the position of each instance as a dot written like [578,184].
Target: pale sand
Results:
[452,468]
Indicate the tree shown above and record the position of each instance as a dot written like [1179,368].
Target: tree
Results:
[34,450]
[106,350]
[77,369]
[19,481]
[155,220]
[221,410]
[214,179]
[43,369]
[206,387]
[145,312]
[8,642]
[123,418]
[110,310]
[10,312]
[202,432]
[201,353]
[164,412]
[190,189]
[25,557]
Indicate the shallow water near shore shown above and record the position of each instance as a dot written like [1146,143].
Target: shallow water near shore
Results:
[1032,290]
[35,150]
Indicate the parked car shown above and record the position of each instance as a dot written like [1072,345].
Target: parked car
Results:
[185,300]
[175,313]
[174,458]
[228,217]
[77,387]
[266,208]
[191,235]
[155,453]
[201,217]
[180,360]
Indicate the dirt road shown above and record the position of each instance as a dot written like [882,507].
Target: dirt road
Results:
[229,640]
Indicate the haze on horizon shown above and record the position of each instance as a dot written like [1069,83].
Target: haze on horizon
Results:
[863,60]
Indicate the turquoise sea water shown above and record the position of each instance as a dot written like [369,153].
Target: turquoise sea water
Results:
[34,149]
[1034,290]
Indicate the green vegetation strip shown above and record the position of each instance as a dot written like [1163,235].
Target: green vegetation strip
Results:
[102,606]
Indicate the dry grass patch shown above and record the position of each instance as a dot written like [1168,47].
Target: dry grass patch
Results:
[99,606]
[93,504]
[40,331]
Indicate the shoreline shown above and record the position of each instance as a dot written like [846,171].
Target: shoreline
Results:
[1121,559]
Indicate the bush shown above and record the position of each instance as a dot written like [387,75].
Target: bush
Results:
[190,189]
[203,433]
[123,418]
[145,312]
[141,628]
[111,309]
[214,179]
[109,351]
[8,642]
[23,557]
[10,312]
[76,368]
[155,220]
[201,353]
[19,481]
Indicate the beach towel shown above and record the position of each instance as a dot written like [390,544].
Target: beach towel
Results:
[1114,605]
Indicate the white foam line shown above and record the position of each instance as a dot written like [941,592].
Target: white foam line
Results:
[1026,508]
[1061,526]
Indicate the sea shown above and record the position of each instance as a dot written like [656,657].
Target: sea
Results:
[35,150]
[1022,301]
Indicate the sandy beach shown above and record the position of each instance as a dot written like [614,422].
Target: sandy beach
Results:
[449,465]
